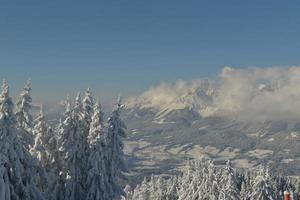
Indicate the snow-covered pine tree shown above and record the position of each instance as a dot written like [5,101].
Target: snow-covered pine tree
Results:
[23,116]
[172,188]
[156,188]
[45,141]
[214,191]
[229,183]
[88,106]
[83,131]
[73,146]
[243,192]
[211,189]
[129,192]
[98,186]
[5,193]
[231,189]
[59,166]
[185,180]
[20,170]
[87,110]
[195,184]
[143,191]
[45,150]
[96,126]
[115,155]
[229,171]
[262,187]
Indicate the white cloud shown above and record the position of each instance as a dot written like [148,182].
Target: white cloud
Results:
[260,93]
[246,94]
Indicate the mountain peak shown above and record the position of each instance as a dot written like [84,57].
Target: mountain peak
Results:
[165,98]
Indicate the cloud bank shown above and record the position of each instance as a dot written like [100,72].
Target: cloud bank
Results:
[245,94]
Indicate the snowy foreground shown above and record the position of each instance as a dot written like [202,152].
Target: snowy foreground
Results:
[81,158]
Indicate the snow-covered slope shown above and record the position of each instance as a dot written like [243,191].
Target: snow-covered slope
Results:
[165,99]
[250,117]
[245,94]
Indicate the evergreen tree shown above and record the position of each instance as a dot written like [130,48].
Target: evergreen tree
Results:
[231,190]
[129,192]
[172,188]
[19,169]
[23,116]
[87,114]
[143,191]
[214,191]
[88,106]
[262,187]
[97,181]
[45,150]
[244,193]
[115,155]
[45,141]
[5,193]
[96,126]
[229,172]
[212,179]
[73,146]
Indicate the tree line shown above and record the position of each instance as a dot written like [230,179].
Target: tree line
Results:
[79,159]
[202,180]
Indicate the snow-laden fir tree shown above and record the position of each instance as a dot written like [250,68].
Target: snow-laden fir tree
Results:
[171,188]
[45,150]
[83,132]
[229,172]
[186,179]
[98,186]
[143,191]
[96,126]
[19,169]
[262,187]
[88,106]
[156,188]
[23,116]
[45,143]
[4,179]
[59,165]
[196,180]
[73,148]
[129,192]
[231,189]
[114,141]
[87,114]
[212,182]
[244,193]
[214,191]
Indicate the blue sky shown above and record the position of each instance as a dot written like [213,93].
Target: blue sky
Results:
[127,46]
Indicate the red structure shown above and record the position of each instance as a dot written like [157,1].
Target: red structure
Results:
[286,195]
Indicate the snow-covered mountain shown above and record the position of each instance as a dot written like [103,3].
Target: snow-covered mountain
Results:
[243,94]
[169,124]
[166,99]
